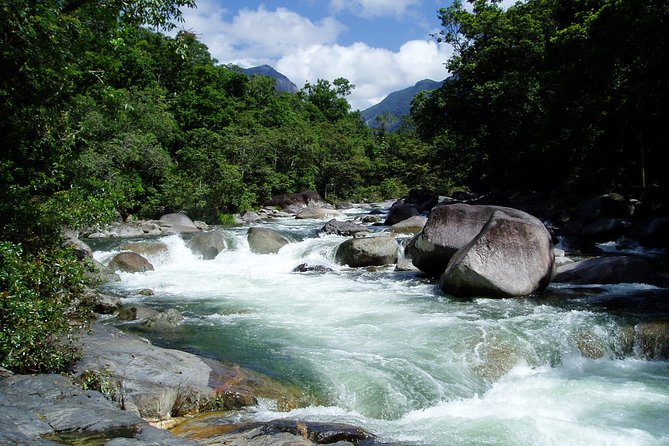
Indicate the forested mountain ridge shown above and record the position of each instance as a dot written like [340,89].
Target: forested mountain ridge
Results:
[282,82]
[397,105]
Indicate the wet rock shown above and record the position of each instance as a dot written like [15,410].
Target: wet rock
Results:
[159,383]
[283,433]
[509,257]
[411,225]
[401,211]
[164,320]
[265,240]
[129,262]
[208,244]
[451,227]
[607,270]
[136,313]
[370,251]
[34,407]
[653,338]
[345,228]
[305,268]
[106,303]
[318,213]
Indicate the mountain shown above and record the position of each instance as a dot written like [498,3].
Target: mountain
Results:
[398,103]
[282,82]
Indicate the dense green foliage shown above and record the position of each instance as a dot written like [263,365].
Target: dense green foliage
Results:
[103,116]
[553,92]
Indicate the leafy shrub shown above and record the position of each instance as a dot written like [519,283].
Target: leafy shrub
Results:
[38,298]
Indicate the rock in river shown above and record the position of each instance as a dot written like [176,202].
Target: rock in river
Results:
[451,227]
[509,257]
[369,251]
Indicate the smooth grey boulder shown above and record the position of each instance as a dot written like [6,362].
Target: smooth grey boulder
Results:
[177,219]
[369,251]
[451,227]
[208,244]
[265,240]
[317,213]
[411,225]
[345,228]
[129,262]
[608,270]
[177,223]
[164,320]
[509,257]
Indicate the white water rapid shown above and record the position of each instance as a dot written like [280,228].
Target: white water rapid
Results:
[390,352]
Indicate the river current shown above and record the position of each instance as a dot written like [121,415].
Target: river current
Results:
[388,351]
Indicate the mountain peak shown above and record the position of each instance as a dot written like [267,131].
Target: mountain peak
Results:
[398,103]
[282,82]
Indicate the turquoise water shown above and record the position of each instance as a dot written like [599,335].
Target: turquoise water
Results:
[389,352]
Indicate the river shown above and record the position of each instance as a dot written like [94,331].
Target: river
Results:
[388,351]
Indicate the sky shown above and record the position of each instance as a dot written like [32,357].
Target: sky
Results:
[380,46]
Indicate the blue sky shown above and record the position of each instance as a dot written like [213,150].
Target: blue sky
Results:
[379,45]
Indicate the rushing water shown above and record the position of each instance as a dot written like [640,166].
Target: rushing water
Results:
[390,352]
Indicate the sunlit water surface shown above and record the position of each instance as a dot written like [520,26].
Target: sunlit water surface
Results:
[390,352]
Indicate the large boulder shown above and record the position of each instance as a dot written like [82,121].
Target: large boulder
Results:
[607,270]
[401,211]
[370,251]
[176,223]
[412,225]
[300,199]
[265,240]
[318,213]
[451,227]
[208,244]
[346,228]
[129,262]
[508,257]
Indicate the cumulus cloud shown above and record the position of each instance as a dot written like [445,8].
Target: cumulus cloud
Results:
[305,50]
[258,36]
[374,8]
[375,72]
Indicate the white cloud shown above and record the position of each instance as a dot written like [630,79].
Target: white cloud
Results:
[257,36]
[374,8]
[375,72]
[305,50]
